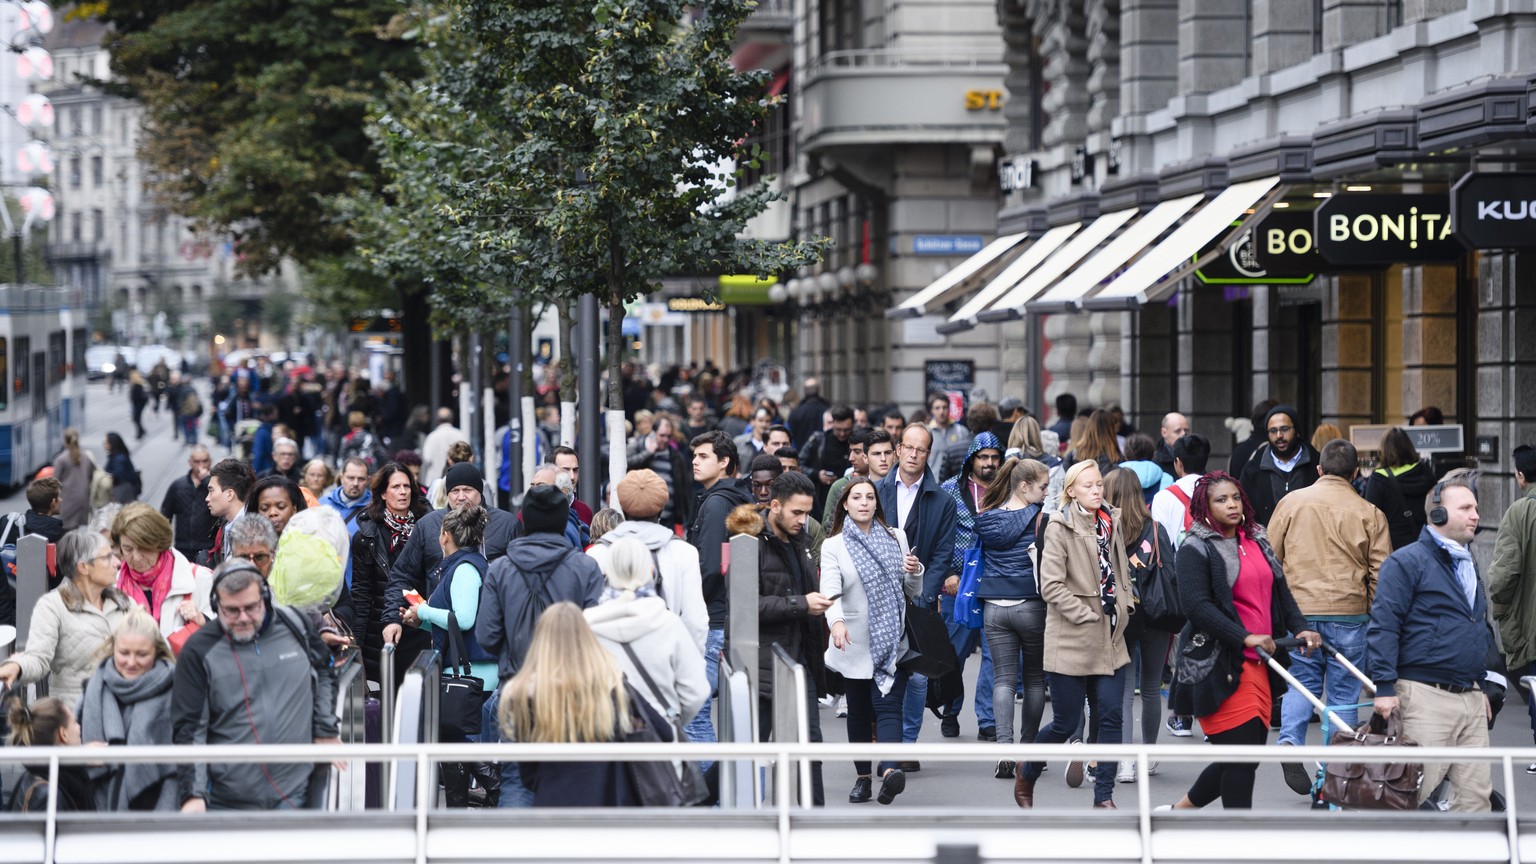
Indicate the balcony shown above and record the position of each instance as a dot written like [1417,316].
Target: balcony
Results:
[770,16]
[79,250]
[883,97]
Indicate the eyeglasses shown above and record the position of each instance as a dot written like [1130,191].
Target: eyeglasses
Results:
[1280,430]
[235,613]
[921,451]
[110,554]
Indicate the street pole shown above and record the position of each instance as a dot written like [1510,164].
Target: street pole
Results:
[475,427]
[589,432]
[515,351]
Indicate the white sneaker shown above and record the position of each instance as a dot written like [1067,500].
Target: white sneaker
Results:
[1127,773]
[827,701]
[1162,807]
[1151,768]
[841,706]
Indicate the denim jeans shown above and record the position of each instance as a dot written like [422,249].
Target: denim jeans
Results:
[513,793]
[1067,695]
[869,711]
[701,729]
[1335,685]
[913,704]
[1010,630]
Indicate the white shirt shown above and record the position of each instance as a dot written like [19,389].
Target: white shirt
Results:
[1287,465]
[906,496]
[1168,511]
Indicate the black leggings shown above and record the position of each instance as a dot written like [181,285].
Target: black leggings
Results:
[1232,782]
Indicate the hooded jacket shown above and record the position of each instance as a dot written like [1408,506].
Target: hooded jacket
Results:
[1006,535]
[1152,476]
[959,489]
[1400,495]
[535,559]
[708,535]
[677,565]
[334,500]
[786,573]
[665,647]
[1512,580]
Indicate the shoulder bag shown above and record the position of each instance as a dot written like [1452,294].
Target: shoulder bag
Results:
[1373,785]
[653,783]
[929,651]
[695,790]
[462,695]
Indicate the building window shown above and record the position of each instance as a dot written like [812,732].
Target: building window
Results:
[96,172]
[74,121]
[76,222]
[840,25]
[95,119]
[74,172]
[98,225]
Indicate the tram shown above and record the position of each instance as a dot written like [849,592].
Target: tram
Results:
[43,337]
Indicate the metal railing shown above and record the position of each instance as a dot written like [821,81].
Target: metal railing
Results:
[412,783]
[784,833]
[738,779]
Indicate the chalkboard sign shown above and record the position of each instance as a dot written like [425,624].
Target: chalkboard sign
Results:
[954,378]
[1426,439]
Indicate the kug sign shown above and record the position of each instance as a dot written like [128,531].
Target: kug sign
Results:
[1495,211]
[1386,229]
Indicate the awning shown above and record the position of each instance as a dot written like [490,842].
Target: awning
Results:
[1065,295]
[1011,307]
[1140,283]
[1011,276]
[964,276]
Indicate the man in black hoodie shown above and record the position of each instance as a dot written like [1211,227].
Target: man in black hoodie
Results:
[1280,466]
[715,467]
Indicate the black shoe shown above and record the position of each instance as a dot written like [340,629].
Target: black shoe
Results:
[1004,769]
[891,785]
[1297,778]
[986,733]
[860,794]
[910,767]
[949,727]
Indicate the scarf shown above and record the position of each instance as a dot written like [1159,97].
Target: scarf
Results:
[134,712]
[878,560]
[612,593]
[1461,562]
[157,580]
[1103,531]
[400,528]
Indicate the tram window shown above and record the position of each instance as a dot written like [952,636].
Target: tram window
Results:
[77,352]
[5,374]
[56,357]
[23,365]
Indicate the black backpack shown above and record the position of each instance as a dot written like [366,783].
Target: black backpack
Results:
[520,629]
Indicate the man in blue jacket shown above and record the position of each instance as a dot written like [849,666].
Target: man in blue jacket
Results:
[913,501]
[1429,639]
[967,489]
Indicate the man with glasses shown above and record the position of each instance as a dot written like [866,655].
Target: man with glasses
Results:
[966,490]
[256,674]
[913,501]
[1283,464]
[252,537]
[186,506]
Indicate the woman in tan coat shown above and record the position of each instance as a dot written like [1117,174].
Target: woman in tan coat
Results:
[1085,584]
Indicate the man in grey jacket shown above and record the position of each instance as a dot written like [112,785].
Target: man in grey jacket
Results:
[257,674]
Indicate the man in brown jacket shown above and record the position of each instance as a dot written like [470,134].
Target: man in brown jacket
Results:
[1331,543]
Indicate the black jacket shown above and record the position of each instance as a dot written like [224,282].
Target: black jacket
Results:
[805,420]
[1401,499]
[570,576]
[1205,596]
[50,527]
[785,575]
[1265,484]
[186,506]
[421,554]
[707,534]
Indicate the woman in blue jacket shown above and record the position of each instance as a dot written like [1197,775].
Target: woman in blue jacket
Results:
[1013,614]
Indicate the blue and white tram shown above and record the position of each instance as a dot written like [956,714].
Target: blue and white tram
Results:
[43,337]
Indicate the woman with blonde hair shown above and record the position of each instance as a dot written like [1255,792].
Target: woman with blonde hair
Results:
[1099,442]
[570,690]
[73,468]
[318,478]
[128,702]
[156,576]
[1085,582]
[1324,433]
[1027,441]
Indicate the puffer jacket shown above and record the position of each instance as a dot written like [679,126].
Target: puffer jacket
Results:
[782,616]
[664,647]
[958,488]
[678,565]
[1152,476]
[1007,573]
[1332,544]
[63,642]
[1078,638]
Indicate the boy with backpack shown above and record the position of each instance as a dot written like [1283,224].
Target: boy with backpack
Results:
[1170,509]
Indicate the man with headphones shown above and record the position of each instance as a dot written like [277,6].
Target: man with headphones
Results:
[257,674]
[1429,638]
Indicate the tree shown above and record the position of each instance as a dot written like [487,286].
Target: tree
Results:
[560,149]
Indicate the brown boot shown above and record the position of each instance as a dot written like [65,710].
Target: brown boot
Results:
[1105,805]
[1023,788]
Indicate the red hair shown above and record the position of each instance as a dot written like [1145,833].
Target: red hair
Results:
[1200,502]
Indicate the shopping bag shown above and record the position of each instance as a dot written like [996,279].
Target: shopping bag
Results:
[967,610]
[929,652]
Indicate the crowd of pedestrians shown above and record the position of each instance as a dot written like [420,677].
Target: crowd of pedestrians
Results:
[219,616]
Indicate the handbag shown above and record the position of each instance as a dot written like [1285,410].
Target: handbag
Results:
[695,790]
[967,611]
[929,652]
[178,640]
[1374,785]
[1205,674]
[1159,590]
[462,695]
[653,783]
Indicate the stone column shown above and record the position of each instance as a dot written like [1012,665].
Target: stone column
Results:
[1429,338]
[1348,351]
[1282,34]
[1346,22]
[1206,342]
[1063,46]
[1018,47]
[1149,54]
[1423,10]
[1068,361]
[1506,370]
[1105,358]
[1213,44]
[1104,63]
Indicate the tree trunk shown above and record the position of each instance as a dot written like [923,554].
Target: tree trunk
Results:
[567,352]
[615,348]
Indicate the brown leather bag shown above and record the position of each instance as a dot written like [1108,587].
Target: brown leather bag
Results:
[1374,785]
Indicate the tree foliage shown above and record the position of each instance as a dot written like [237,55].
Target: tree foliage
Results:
[560,149]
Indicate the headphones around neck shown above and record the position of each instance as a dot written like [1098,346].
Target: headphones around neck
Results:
[1437,513]
[242,567]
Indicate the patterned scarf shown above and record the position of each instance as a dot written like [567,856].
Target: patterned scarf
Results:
[877,557]
[1103,530]
[400,528]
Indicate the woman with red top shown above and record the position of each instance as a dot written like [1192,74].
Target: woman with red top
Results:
[1233,590]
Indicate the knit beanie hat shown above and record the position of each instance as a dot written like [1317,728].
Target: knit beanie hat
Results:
[545,510]
[642,494]
[464,474]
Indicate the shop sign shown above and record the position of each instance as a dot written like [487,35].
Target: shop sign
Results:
[983,100]
[694,304]
[1082,165]
[1447,438]
[1386,229]
[1279,250]
[947,244]
[954,378]
[1495,211]
[1016,174]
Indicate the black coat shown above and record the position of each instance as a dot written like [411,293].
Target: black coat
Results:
[588,784]
[785,575]
[1401,499]
[421,554]
[1265,484]
[186,506]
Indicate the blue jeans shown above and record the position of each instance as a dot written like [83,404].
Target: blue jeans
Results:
[1068,693]
[513,793]
[701,729]
[1325,678]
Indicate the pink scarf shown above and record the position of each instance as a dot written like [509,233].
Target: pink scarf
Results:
[157,580]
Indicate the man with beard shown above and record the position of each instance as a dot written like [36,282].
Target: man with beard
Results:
[826,459]
[257,674]
[1280,466]
[967,489]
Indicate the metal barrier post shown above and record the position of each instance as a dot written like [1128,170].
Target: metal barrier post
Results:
[741,641]
[31,582]
[791,714]
[387,690]
[415,723]
[738,780]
